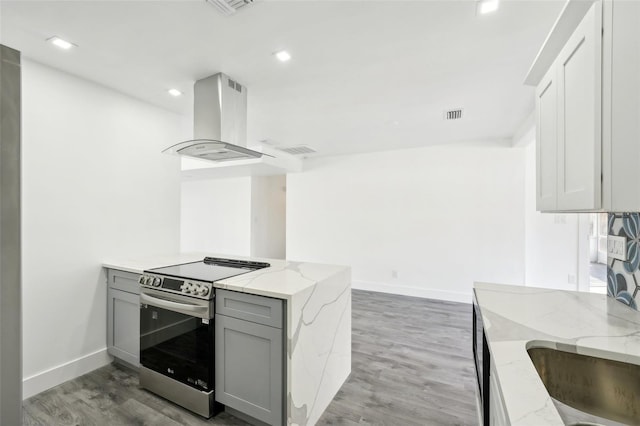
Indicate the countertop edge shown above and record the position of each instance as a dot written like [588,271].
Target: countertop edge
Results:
[241,283]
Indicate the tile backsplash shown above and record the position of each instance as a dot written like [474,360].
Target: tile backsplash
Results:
[623,277]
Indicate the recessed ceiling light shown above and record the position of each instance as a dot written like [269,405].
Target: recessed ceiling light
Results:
[487,6]
[283,56]
[174,92]
[62,44]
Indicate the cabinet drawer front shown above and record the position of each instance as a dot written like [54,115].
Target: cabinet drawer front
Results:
[125,281]
[258,309]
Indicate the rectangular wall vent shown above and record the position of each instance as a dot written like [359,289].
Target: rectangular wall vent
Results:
[453,114]
[229,7]
[298,150]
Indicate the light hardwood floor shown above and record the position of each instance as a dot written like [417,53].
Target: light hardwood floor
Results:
[411,365]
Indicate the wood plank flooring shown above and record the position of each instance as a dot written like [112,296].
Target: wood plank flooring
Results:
[411,365]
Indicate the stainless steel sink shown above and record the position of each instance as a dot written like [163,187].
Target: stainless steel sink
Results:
[597,386]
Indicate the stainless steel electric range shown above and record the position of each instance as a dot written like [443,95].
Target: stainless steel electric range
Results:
[177,329]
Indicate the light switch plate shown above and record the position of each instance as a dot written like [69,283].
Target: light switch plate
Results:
[617,247]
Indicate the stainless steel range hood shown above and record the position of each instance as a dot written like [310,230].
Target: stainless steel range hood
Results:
[219,122]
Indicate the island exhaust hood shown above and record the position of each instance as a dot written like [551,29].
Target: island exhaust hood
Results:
[219,122]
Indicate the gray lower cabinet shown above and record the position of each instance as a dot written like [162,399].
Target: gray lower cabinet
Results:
[249,361]
[123,316]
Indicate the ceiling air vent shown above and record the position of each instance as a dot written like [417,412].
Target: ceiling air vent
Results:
[298,150]
[229,7]
[453,114]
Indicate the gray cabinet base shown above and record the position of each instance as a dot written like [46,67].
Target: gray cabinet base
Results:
[123,326]
[247,418]
[123,316]
[122,363]
[249,365]
[199,402]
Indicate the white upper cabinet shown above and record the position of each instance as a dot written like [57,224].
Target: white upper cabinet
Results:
[547,141]
[587,78]
[579,116]
[621,106]
[569,142]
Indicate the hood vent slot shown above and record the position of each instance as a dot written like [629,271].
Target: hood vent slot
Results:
[235,86]
[454,114]
[229,7]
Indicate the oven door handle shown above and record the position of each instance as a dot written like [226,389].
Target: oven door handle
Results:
[163,303]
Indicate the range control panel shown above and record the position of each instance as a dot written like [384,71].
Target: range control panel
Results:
[199,289]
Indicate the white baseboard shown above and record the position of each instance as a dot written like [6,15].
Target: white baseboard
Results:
[54,376]
[404,290]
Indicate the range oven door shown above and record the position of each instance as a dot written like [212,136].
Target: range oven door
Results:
[176,337]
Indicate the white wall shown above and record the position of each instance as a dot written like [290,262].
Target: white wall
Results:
[95,186]
[240,216]
[556,250]
[216,216]
[268,216]
[440,217]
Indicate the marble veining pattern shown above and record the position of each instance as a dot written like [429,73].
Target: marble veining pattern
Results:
[318,323]
[517,318]
[319,349]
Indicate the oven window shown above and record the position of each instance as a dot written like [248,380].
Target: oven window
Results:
[177,345]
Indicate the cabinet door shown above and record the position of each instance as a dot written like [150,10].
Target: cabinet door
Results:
[579,73]
[547,142]
[248,368]
[123,326]
[497,412]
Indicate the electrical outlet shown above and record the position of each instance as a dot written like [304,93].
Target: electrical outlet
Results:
[617,247]
[394,274]
[571,279]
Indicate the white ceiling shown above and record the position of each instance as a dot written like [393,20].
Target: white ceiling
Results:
[365,75]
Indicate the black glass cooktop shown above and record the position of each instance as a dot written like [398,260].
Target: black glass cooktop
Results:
[210,269]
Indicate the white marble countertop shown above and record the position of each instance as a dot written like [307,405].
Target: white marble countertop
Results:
[283,279]
[517,318]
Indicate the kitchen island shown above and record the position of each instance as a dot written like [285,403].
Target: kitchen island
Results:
[517,318]
[317,321]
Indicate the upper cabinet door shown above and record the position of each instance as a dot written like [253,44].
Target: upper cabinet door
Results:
[546,142]
[579,82]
